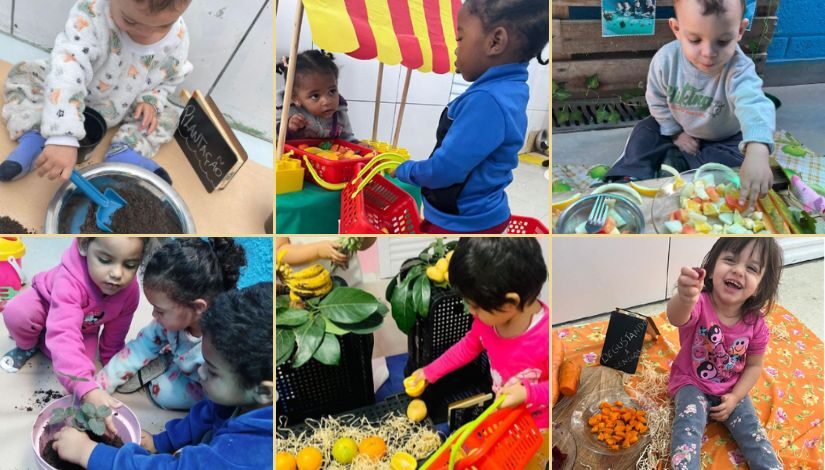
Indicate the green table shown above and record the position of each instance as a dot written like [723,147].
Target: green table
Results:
[315,210]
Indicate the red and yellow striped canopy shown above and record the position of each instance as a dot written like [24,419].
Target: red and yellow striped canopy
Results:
[419,34]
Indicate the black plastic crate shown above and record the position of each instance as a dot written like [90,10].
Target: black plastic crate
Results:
[445,325]
[314,389]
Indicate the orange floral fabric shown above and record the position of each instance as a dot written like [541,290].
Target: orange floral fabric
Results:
[788,396]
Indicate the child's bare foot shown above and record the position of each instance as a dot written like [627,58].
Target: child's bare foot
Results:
[16,358]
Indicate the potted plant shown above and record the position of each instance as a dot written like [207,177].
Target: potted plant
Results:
[67,411]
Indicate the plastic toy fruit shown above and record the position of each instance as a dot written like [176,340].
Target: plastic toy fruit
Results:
[373,447]
[413,388]
[344,450]
[416,410]
[435,274]
[309,458]
[403,461]
[285,461]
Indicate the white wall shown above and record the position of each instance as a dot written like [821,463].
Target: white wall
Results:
[428,93]
[216,27]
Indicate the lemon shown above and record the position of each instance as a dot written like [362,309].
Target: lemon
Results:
[344,450]
[449,256]
[309,458]
[435,274]
[563,204]
[285,461]
[416,410]
[442,265]
[644,190]
[403,461]
[414,389]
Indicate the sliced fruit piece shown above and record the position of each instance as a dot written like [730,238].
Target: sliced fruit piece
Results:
[671,170]
[620,222]
[784,211]
[644,190]
[688,228]
[712,194]
[726,218]
[561,186]
[609,226]
[703,227]
[598,171]
[570,200]
[621,189]
[710,209]
[673,226]
[413,388]
[679,214]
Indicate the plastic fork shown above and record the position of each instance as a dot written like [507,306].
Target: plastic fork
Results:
[108,202]
[8,292]
[598,216]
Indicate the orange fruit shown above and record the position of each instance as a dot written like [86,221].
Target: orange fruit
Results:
[373,447]
[309,458]
[285,461]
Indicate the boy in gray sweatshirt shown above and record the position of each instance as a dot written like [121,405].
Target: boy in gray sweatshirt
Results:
[705,100]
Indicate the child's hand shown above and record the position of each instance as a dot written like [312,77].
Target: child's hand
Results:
[98,398]
[297,122]
[150,119]
[73,446]
[722,411]
[414,378]
[755,174]
[690,283]
[56,161]
[686,143]
[147,441]
[516,394]
[329,250]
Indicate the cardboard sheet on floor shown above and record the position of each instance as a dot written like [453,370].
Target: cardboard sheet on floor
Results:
[787,396]
[241,208]
[19,394]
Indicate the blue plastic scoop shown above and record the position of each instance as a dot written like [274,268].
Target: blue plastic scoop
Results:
[108,202]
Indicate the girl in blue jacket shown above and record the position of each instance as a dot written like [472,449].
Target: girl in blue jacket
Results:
[480,132]
[232,429]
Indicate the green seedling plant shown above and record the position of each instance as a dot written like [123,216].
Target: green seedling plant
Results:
[83,418]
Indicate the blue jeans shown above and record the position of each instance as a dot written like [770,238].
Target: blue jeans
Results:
[690,419]
[646,149]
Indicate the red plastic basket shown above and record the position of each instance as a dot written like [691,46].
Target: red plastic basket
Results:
[381,207]
[526,225]
[331,171]
[505,440]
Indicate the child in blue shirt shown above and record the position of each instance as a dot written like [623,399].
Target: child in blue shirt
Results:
[480,132]
[232,429]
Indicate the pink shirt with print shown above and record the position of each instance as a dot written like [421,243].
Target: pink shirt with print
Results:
[712,355]
[523,359]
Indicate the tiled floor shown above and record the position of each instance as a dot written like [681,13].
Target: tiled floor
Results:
[527,193]
[13,50]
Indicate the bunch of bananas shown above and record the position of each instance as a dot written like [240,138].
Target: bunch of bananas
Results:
[313,281]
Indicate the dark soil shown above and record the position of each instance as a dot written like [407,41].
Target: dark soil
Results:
[40,399]
[143,214]
[11,226]
[51,457]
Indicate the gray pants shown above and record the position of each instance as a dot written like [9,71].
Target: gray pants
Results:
[23,109]
[690,419]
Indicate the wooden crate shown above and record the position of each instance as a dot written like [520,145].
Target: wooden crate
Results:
[622,63]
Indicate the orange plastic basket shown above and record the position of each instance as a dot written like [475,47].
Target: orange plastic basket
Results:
[503,439]
[381,207]
[331,171]
[526,225]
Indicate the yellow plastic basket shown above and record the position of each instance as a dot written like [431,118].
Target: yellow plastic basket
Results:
[289,176]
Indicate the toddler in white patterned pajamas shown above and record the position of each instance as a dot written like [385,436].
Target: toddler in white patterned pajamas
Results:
[122,58]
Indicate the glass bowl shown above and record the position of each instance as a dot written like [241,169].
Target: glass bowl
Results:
[577,213]
[667,198]
[590,406]
[566,443]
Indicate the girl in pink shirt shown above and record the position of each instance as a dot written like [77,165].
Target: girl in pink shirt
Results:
[719,310]
[92,289]
[500,280]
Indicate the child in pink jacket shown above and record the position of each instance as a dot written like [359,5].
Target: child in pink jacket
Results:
[500,280]
[93,289]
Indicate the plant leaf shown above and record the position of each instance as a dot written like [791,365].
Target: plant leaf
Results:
[561,95]
[284,345]
[97,427]
[331,328]
[281,302]
[421,294]
[563,116]
[807,223]
[602,115]
[404,317]
[308,337]
[391,288]
[103,411]
[329,352]
[592,82]
[348,305]
[382,309]
[291,317]
[370,325]
[614,117]
[88,409]
[577,116]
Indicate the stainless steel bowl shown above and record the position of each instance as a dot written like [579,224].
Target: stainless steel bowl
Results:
[68,208]
[577,213]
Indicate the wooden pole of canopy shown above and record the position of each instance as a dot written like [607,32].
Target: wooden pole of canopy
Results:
[377,101]
[290,80]
[401,108]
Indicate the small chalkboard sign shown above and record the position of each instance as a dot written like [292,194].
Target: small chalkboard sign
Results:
[624,339]
[208,142]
